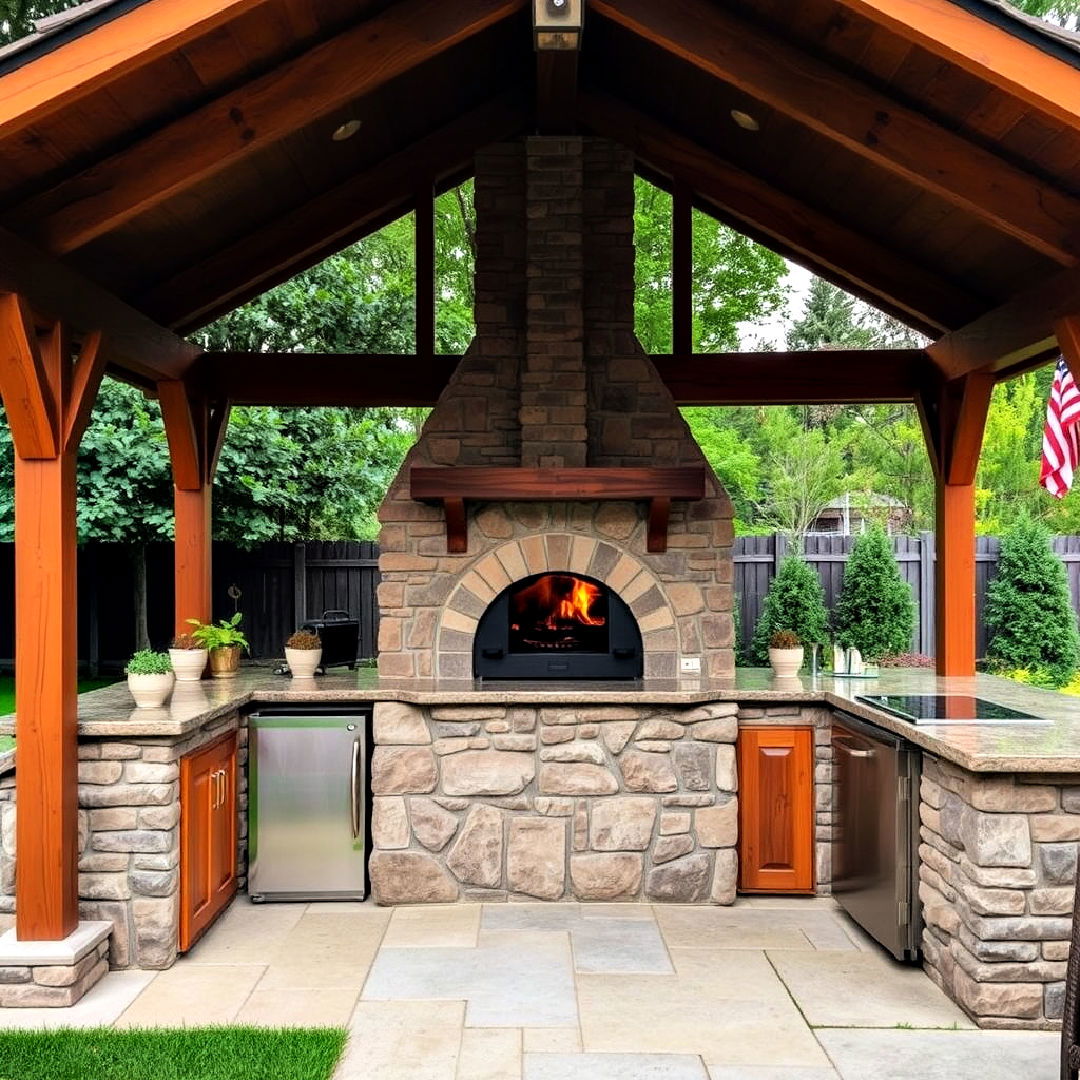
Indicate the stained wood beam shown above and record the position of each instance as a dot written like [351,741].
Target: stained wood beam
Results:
[764,378]
[841,376]
[175,158]
[920,297]
[556,91]
[327,222]
[997,53]
[59,293]
[1012,337]
[69,72]
[863,120]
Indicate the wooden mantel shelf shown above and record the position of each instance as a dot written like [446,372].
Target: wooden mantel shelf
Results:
[453,486]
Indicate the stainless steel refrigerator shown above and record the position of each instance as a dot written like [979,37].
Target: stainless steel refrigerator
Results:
[307,796]
[875,861]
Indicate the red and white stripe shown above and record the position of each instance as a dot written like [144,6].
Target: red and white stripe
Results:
[1061,449]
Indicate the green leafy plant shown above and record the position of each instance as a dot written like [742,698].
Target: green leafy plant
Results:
[1028,614]
[304,639]
[221,635]
[148,662]
[785,639]
[876,612]
[795,602]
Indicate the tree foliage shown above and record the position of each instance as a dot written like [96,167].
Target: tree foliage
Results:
[795,601]
[1029,613]
[876,611]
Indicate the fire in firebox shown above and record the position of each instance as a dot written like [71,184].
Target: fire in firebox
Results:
[559,611]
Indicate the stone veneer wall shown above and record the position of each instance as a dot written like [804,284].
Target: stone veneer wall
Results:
[605,803]
[129,839]
[997,866]
[554,376]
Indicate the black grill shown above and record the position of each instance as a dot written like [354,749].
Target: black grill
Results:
[340,636]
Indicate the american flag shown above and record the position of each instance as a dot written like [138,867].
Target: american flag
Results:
[1061,449]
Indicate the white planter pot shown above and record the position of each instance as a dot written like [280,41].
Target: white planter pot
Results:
[303,662]
[786,662]
[188,664]
[150,691]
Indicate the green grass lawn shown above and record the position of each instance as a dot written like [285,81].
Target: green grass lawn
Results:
[225,1053]
[7,700]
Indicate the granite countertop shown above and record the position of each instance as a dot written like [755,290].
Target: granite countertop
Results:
[1043,748]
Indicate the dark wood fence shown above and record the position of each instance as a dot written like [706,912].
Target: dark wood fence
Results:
[280,585]
[757,557]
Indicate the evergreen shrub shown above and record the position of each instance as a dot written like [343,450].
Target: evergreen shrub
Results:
[876,611]
[796,602]
[1029,614]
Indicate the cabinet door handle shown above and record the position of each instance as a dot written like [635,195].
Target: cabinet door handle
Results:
[223,781]
[213,790]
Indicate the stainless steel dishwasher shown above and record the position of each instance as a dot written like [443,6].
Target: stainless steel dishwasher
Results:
[307,780]
[875,862]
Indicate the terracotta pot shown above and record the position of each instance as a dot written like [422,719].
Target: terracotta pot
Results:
[786,662]
[225,661]
[188,664]
[302,662]
[150,691]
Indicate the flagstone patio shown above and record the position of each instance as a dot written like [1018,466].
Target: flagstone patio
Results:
[770,989]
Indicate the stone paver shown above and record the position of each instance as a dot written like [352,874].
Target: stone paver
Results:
[773,989]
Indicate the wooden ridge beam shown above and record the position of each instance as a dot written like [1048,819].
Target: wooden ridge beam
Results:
[760,378]
[994,53]
[328,221]
[1014,336]
[863,120]
[58,293]
[175,158]
[69,72]
[918,296]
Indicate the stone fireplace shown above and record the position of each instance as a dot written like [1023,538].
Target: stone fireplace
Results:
[556,385]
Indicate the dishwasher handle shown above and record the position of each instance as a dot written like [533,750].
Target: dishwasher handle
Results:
[850,750]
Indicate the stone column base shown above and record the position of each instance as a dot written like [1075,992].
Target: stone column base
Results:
[34,974]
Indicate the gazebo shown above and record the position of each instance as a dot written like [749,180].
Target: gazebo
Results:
[165,162]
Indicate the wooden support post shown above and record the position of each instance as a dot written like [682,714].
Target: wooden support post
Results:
[47,398]
[195,428]
[954,418]
[682,270]
[425,270]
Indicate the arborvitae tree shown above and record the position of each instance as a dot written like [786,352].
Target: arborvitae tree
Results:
[795,601]
[1029,613]
[876,612]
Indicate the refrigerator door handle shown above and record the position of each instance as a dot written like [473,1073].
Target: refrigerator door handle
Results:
[354,792]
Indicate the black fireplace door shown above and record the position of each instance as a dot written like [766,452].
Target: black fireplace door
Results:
[558,625]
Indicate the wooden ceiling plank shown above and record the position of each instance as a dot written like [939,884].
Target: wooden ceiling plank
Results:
[177,157]
[72,71]
[134,341]
[929,300]
[318,224]
[990,52]
[858,117]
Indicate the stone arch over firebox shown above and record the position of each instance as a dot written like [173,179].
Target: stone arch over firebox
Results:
[621,571]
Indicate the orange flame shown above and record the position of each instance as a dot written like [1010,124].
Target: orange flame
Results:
[564,598]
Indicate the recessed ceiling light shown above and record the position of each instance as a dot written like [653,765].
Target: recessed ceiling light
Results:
[347,130]
[744,120]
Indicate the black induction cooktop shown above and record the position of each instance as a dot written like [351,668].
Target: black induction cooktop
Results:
[948,709]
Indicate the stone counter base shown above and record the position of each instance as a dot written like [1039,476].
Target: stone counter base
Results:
[997,866]
[54,985]
[604,803]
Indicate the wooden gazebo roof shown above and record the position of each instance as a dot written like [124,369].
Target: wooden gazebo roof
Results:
[166,161]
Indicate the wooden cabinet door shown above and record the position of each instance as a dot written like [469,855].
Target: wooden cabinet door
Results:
[207,835]
[776,809]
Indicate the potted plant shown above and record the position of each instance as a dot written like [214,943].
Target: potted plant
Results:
[150,678]
[303,654]
[225,642]
[785,654]
[188,656]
